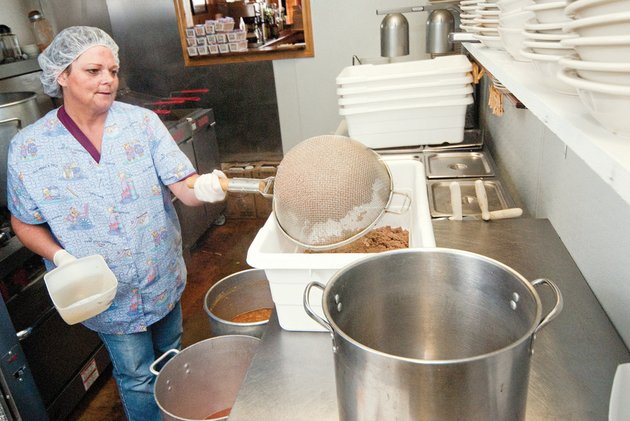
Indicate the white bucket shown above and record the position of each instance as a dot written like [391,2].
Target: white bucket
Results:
[81,289]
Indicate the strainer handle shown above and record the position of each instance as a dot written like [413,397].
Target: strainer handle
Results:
[248,185]
[405,206]
[307,305]
[240,185]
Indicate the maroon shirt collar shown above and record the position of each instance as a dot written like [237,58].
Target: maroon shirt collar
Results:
[78,134]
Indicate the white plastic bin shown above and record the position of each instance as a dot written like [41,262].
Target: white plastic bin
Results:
[410,88]
[383,126]
[417,71]
[412,137]
[289,269]
[405,99]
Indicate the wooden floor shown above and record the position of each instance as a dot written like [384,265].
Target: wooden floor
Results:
[221,252]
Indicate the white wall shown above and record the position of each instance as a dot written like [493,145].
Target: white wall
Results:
[305,88]
[552,182]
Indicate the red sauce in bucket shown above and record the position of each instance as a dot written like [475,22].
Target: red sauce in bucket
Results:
[219,414]
[253,316]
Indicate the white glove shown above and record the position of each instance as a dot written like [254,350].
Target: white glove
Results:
[208,187]
[62,257]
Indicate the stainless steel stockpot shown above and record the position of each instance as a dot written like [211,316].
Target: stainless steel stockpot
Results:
[202,379]
[243,291]
[17,110]
[432,334]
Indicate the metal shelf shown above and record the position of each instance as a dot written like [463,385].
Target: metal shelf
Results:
[19,68]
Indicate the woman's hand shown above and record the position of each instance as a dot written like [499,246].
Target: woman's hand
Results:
[208,187]
[62,257]
[199,189]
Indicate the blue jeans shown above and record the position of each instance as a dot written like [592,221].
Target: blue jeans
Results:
[133,354]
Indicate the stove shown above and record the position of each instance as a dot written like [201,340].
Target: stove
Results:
[171,110]
[41,381]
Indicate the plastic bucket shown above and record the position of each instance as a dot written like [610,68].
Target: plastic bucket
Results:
[81,289]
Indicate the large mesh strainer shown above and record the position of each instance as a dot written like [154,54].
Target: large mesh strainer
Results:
[329,190]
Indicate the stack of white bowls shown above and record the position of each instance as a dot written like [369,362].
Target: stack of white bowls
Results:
[511,21]
[600,67]
[409,103]
[542,43]
[486,26]
[468,14]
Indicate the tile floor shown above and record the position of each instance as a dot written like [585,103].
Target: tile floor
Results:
[221,252]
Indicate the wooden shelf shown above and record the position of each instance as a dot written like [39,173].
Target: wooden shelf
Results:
[608,155]
[295,43]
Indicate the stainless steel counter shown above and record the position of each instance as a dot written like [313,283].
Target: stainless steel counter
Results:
[576,355]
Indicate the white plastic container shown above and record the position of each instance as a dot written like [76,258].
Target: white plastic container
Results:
[407,72]
[607,49]
[590,8]
[512,40]
[382,125]
[448,135]
[601,25]
[507,6]
[549,12]
[82,288]
[606,103]
[289,269]
[410,98]
[422,87]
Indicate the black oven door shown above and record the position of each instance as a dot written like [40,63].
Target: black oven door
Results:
[55,351]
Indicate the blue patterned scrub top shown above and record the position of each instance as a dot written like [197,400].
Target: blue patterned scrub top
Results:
[119,207]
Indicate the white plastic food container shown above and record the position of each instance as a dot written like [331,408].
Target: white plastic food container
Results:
[411,103]
[381,126]
[81,289]
[289,269]
[424,87]
[392,74]
[418,97]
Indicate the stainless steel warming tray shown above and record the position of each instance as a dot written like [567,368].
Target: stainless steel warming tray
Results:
[464,164]
[440,197]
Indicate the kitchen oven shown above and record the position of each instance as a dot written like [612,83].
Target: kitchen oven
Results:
[47,365]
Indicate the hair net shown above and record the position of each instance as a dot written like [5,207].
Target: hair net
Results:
[67,46]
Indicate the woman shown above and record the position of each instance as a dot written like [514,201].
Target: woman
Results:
[74,190]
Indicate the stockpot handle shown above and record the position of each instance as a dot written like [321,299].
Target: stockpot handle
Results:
[307,305]
[153,369]
[11,120]
[557,308]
